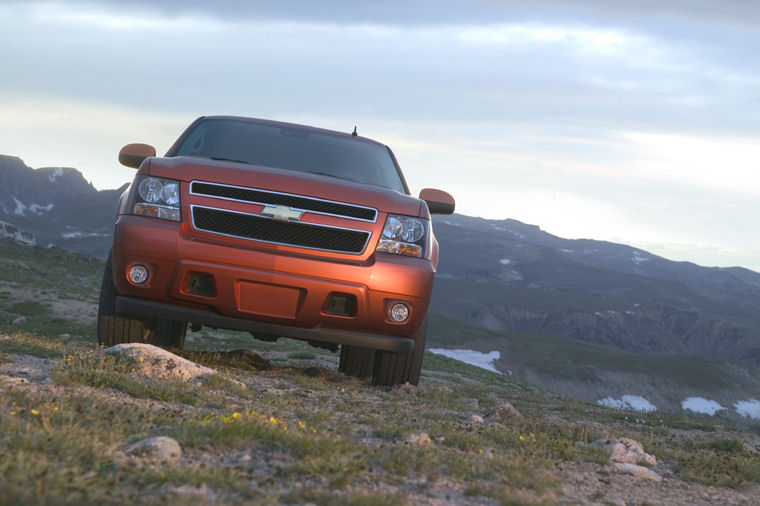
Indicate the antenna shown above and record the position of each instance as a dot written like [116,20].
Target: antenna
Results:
[354,132]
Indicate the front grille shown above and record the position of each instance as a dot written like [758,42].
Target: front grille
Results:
[274,198]
[290,233]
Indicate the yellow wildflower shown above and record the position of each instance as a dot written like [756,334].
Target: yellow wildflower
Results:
[522,438]
[35,412]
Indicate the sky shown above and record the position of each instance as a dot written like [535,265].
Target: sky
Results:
[634,122]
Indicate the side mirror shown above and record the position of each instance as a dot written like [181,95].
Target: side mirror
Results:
[438,201]
[132,155]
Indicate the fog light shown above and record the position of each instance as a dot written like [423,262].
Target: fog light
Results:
[399,313]
[138,274]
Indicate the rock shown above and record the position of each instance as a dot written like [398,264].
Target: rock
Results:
[19,320]
[419,439]
[160,449]
[502,413]
[629,451]
[65,336]
[154,362]
[13,380]
[312,372]
[476,419]
[637,471]
[445,390]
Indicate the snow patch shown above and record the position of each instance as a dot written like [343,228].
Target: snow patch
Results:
[633,402]
[701,405]
[37,209]
[638,258]
[20,207]
[476,358]
[82,235]
[515,276]
[505,261]
[566,250]
[58,172]
[40,209]
[749,408]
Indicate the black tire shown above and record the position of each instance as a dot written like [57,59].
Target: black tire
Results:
[392,368]
[169,333]
[356,361]
[116,328]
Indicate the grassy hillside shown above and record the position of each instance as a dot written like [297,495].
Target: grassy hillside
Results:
[276,424]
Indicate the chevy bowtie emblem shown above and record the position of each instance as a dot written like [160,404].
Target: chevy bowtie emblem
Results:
[283,213]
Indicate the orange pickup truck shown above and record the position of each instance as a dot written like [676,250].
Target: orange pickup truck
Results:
[278,229]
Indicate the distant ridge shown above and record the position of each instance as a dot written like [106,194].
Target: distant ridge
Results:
[506,275]
[57,206]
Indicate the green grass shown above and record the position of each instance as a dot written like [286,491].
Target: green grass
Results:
[67,273]
[57,449]
[20,343]
[302,355]
[28,308]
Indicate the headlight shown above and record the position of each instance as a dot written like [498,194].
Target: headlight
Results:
[157,197]
[405,235]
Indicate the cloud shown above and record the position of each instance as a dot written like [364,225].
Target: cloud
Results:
[729,12]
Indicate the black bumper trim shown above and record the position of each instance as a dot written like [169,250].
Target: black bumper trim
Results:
[147,308]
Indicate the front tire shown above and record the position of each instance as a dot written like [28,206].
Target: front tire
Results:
[385,368]
[356,361]
[394,368]
[117,328]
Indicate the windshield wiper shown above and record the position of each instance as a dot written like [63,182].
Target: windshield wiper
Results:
[330,175]
[223,159]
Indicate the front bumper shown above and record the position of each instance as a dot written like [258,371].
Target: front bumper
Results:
[265,290]
[151,309]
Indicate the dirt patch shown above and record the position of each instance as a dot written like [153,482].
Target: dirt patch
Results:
[27,369]
[77,311]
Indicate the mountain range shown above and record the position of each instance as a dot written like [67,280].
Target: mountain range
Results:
[505,275]
[57,206]
[581,317]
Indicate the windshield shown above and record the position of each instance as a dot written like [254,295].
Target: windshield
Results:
[276,146]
